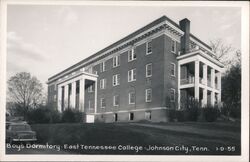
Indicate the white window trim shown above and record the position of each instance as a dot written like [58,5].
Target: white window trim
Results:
[103,66]
[174,46]
[89,105]
[132,74]
[115,61]
[174,69]
[103,83]
[132,53]
[130,116]
[146,94]
[115,77]
[147,70]
[150,114]
[129,101]
[103,107]
[115,100]
[170,95]
[148,53]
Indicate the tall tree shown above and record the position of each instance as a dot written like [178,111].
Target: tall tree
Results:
[25,91]
[228,55]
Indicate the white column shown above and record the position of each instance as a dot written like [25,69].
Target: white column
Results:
[212,98]
[212,78]
[179,83]
[213,86]
[96,96]
[66,93]
[59,98]
[82,91]
[204,97]
[205,74]
[73,95]
[196,80]
[205,82]
[219,87]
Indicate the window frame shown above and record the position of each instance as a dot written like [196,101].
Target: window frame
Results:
[103,83]
[133,73]
[147,70]
[101,103]
[116,80]
[148,115]
[89,105]
[172,40]
[129,98]
[116,61]
[172,90]
[114,100]
[103,66]
[146,95]
[133,54]
[173,75]
[147,47]
[130,116]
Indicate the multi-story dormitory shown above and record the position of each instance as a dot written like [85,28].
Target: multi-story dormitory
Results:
[140,76]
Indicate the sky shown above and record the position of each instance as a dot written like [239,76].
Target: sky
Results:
[46,39]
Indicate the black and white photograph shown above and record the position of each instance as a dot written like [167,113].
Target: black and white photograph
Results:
[113,80]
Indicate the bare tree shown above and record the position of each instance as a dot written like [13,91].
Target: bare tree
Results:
[25,91]
[225,52]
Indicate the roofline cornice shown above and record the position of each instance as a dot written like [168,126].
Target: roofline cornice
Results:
[165,25]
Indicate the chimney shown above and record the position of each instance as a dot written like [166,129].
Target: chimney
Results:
[185,39]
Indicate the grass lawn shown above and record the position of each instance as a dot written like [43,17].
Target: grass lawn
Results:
[172,138]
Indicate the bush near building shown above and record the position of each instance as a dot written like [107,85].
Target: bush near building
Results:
[46,114]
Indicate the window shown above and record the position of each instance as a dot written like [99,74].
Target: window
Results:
[173,46]
[103,84]
[89,104]
[103,66]
[172,68]
[131,116]
[131,97]
[116,79]
[115,117]
[90,88]
[131,54]
[54,98]
[149,70]
[148,115]
[116,61]
[172,95]
[148,95]
[116,100]
[131,75]
[103,103]
[149,47]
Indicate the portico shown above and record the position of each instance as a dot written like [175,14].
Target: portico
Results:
[71,90]
[199,77]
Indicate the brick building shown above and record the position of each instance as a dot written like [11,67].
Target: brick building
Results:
[140,76]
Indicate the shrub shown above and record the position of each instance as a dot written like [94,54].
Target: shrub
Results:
[171,114]
[235,112]
[192,107]
[210,113]
[231,111]
[180,115]
[72,116]
[43,114]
